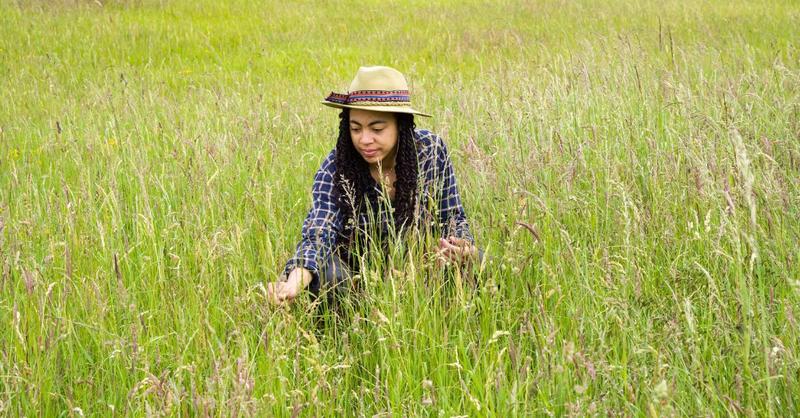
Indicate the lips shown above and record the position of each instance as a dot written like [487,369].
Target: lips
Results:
[370,153]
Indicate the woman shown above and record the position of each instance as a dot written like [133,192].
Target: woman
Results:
[382,174]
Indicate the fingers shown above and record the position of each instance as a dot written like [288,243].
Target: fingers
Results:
[440,255]
[455,250]
[279,293]
[449,253]
[443,253]
[273,293]
[461,242]
[470,250]
[441,259]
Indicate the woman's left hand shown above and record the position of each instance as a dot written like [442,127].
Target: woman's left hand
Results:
[455,250]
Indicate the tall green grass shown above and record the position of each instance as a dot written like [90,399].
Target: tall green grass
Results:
[631,167]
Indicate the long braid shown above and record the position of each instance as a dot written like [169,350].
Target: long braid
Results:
[406,170]
[352,174]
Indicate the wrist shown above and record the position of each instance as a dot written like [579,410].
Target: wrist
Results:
[301,276]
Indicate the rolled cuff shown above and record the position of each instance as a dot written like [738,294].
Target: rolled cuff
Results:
[309,264]
[458,228]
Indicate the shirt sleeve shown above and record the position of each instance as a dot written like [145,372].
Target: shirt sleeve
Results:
[452,216]
[322,224]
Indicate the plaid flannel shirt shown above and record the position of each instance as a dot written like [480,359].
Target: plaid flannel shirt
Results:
[437,190]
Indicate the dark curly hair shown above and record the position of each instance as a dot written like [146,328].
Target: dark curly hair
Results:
[353,181]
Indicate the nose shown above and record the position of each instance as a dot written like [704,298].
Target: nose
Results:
[366,138]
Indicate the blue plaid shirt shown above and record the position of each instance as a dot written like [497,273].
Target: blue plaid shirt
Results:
[437,191]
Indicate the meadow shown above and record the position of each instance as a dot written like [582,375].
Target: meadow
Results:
[631,167]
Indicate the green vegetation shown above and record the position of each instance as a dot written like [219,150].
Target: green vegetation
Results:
[632,167]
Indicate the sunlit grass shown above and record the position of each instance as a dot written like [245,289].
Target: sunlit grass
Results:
[631,167]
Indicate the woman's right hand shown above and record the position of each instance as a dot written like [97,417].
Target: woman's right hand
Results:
[455,250]
[279,293]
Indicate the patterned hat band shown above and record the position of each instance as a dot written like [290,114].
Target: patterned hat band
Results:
[372,97]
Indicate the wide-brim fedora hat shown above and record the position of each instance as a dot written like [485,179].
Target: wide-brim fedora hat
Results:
[378,88]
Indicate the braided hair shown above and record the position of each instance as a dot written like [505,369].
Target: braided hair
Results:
[353,181]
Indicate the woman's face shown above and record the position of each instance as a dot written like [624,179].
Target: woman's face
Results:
[374,135]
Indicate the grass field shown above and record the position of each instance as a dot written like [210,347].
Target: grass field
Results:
[156,159]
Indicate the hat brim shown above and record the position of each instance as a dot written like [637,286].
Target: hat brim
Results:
[388,109]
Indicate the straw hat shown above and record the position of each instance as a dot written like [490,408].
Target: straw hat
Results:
[380,89]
